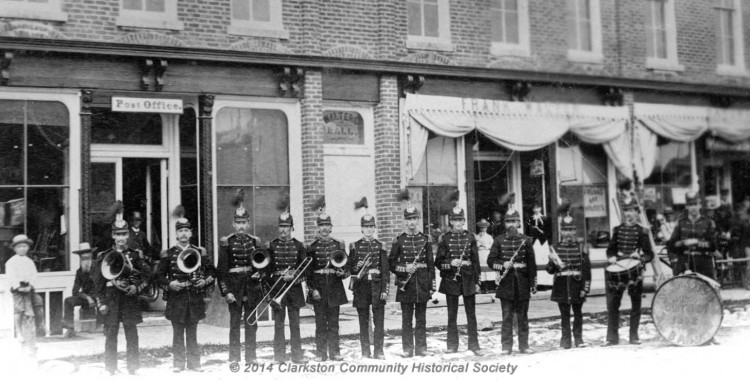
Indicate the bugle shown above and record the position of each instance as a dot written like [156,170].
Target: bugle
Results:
[277,291]
[366,262]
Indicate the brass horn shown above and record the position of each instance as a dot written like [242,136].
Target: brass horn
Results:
[261,258]
[278,290]
[116,265]
[338,259]
[188,261]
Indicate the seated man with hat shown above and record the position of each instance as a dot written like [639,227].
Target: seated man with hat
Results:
[83,290]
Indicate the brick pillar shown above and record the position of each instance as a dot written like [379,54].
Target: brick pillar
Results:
[311,30]
[387,160]
[391,29]
[313,171]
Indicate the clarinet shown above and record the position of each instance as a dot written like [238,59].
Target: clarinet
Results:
[462,257]
[512,262]
[416,258]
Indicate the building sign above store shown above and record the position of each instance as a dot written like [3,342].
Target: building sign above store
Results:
[344,127]
[147,105]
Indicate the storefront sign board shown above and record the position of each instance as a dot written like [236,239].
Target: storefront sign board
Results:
[147,105]
[594,202]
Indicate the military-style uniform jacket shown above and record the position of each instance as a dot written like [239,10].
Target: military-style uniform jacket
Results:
[539,229]
[375,277]
[628,239]
[405,248]
[288,254]
[703,229]
[463,246]
[234,269]
[115,299]
[324,278]
[517,284]
[569,282]
[186,306]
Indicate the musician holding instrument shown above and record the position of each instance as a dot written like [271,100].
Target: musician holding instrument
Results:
[458,261]
[570,264]
[412,262]
[326,288]
[512,256]
[287,266]
[241,276]
[122,276]
[369,285]
[185,270]
[628,239]
[693,241]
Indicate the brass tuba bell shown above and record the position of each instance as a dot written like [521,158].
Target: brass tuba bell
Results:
[188,261]
[261,258]
[338,259]
[115,265]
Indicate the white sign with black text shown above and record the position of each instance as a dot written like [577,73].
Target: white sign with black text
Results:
[148,105]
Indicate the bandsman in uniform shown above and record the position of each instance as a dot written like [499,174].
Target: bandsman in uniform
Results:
[240,284]
[628,239]
[693,241]
[326,290]
[515,290]
[458,261]
[571,267]
[287,253]
[412,262]
[185,304]
[371,290]
[117,299]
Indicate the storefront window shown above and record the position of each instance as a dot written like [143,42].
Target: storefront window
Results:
[435,180]
[34,153]
[582,179]
[252,155]
[670,179]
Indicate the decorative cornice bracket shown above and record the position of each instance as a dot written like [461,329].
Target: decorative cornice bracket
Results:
[411,83]
[155,68]
[289,81]
[612,96]
[518,91]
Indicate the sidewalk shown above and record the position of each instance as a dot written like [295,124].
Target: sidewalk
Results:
[488,313]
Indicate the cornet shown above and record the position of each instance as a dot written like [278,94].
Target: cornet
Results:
[366,262]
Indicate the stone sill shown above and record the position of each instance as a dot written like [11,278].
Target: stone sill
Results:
[129,21]
[436,45]
[581,56]
[45,15]
[732,71]
[249,31]
[658,64]
[501,49]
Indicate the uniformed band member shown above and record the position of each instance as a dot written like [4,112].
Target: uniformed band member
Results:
[371,289]
[693,240]
[326,288]
[628,239]
[458,261]
[412,262]
[117,299]
[185,305]
[287,253]
[570,264]
[240,283]
[514,291]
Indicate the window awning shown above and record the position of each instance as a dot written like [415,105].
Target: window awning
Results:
[521,126]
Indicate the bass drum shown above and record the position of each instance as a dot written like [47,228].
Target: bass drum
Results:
[687,309]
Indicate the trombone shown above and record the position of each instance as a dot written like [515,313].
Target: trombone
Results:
[278,290]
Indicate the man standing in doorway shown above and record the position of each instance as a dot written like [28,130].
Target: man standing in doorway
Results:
[137,239]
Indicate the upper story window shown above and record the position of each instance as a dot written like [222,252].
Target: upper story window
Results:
[50,10]
[429,25]
[509,20]
[258,18]
[729,48]
[154,14]
[661,36]
[584,31]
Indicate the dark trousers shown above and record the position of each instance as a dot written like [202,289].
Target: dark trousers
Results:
[565,323]
[69,306]
[378,317]
[521,309]
[414,339]
[614,296]
[110,346]
[279,340]
[181,334]
[236,319]
[326,331]
[471,321]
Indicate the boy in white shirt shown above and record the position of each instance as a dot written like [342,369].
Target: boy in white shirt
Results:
[27,305]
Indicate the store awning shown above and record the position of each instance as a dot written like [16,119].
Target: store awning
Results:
[521,126]
[683,124]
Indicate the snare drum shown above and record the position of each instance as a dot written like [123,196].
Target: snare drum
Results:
[625,272]
[687,309]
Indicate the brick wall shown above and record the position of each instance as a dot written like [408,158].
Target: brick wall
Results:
[387,160]
[377,30]
[313,175]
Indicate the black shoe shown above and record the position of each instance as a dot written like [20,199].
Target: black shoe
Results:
[527,351]
[581,345]
[451,350]
[505,352]
[299,360]
[610,343]
[133,372]
[251,361]
[319,358]
[423,353]
[195,369]
[366,355]
[565,346]
[337,358]
[408,354]
[177,369]
[279,361]
[379,357]
[478,352]
[635,342]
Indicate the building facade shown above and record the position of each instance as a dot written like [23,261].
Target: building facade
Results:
[165,102]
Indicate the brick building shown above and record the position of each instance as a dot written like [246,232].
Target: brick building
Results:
[167,102]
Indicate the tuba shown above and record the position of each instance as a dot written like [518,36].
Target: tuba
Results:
[116,265]
[338,259]
[260,258]
[189,261]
